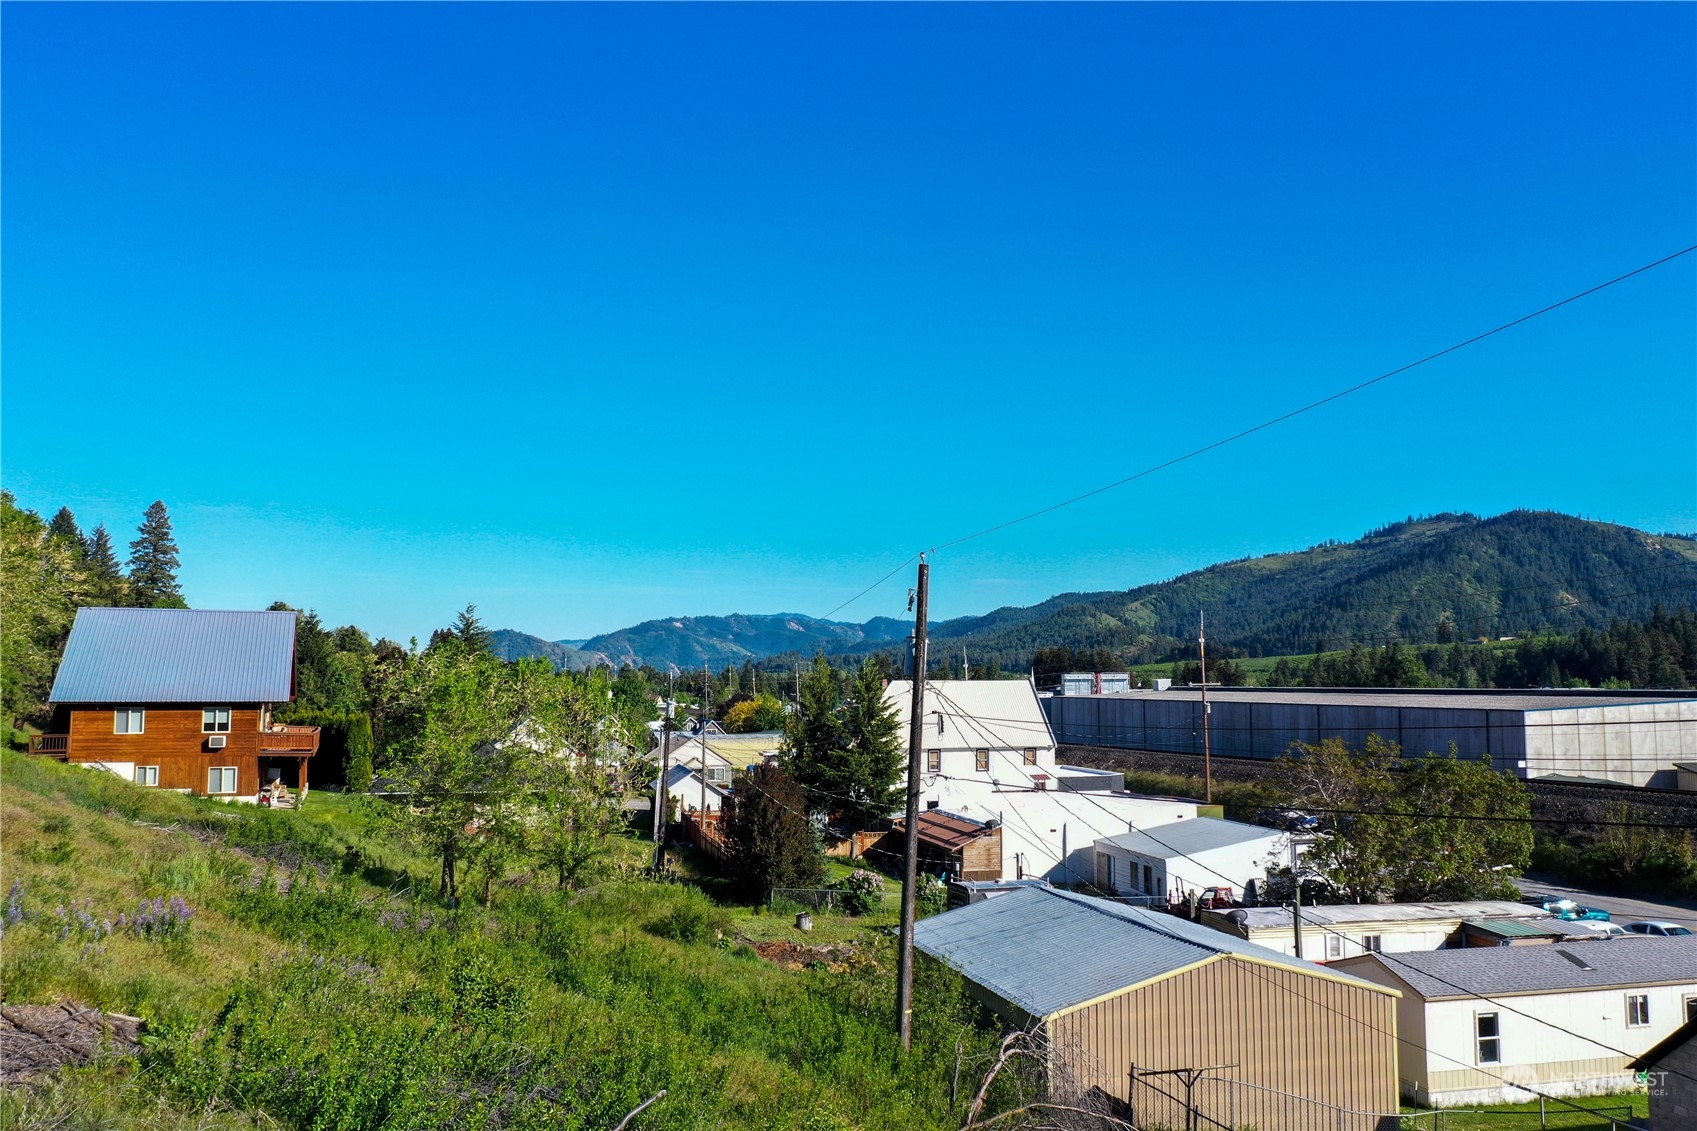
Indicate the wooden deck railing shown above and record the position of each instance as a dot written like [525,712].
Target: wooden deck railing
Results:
[53,745]
[289,740]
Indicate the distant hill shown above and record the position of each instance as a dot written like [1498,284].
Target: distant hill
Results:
[510,644]
[1420,580]
[688,642]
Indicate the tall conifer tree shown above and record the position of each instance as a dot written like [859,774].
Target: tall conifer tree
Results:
[153,563]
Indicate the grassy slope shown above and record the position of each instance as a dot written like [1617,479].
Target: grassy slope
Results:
[331,998]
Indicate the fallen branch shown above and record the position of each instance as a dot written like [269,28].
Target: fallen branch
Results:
[637,1110]
[1108,1120]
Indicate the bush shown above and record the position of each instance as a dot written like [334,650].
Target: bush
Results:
[693,919]
[863,891]
[932,897]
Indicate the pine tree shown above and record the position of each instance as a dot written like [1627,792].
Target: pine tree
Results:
[470,631]
[106,576]
[64,525]
[154,563]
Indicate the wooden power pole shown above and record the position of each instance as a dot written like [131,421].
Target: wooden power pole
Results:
[706,711]
[662,788]
[910,855]
[1207,749]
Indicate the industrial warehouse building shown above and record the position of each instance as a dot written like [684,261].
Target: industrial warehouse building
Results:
[1153,1015]
[1627,737]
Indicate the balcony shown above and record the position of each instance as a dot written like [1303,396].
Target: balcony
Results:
[50,745]
[289,740]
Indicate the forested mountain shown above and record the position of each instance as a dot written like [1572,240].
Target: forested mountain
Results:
[1431,580]
[1445,578]
[510,644]
[689,642]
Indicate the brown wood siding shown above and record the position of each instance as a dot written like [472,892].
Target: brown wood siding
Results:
[1285,1031]
[982,859]
[173,741]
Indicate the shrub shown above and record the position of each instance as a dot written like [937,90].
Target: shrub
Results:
[863,891]
[692,919]
[932,896]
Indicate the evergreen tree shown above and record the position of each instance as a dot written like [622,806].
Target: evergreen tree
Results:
[64,525]
[813,737]
[105,575]
[360,748]
[154,563]
[470,631]
[772,843]
[874,757]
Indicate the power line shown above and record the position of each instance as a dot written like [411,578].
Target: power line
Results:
[1311,406]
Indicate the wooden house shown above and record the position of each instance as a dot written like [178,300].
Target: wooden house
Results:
[180,699]
[951,845]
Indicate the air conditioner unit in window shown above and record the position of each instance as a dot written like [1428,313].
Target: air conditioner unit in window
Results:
[216,741]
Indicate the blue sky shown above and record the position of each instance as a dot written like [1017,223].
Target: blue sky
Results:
[594,314]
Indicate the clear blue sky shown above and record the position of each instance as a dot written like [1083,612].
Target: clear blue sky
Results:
[595,314]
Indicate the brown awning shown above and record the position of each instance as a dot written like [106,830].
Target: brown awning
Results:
[946,830]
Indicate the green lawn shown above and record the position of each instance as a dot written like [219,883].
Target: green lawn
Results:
[1559,1116]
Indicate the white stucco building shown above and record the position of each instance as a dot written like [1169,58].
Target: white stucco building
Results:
[1344,930]
[989,755]
[1173,860]
[1566,1019]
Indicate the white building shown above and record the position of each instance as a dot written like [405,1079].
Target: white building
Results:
[686,789]
[1344,930]
[1476,1025]
[989,755]
[1171,861]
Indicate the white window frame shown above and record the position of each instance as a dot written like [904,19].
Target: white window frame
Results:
[209,720]
[1495,1039]
[1637,1011]
[124,717]
[234,779]
[147,775]
[981,761]
[1030,755]
[934,761]
[1373,944]
[1334,946]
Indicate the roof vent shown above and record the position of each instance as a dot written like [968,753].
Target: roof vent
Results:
[1575,959]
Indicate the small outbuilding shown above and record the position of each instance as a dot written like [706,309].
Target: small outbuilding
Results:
[951,846]
[1167,862]
[1670,1071]
[1171,1023]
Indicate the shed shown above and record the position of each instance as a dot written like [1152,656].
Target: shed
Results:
[1126,997]
[1168,861]
[1670,1070]
[952,845]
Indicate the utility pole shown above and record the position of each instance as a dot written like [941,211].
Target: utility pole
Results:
[1296,899]
[706,708]
[1207,750]
[661,790]
[910,859]
[965,668]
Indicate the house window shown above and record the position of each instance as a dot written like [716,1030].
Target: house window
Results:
[1489,1037]
[1334,946]
[1110,861]
[981,759]
[129,722]
[1030,756]
[215,720]
[221,779]
[1372,943]
[718,773]
[1691,1009]
[147,775]
[934,761]
[1637,1010]
[1148,880]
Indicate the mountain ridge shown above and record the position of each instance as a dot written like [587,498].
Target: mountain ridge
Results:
[1419,580]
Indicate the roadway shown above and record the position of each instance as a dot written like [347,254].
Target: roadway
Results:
[1621,909]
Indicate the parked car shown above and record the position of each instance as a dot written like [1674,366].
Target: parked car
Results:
[1656,927]
[1605,930]
[1568,910]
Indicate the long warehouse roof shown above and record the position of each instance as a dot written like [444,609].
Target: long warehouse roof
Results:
[1441,699]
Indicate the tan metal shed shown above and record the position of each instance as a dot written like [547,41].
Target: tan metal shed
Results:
[1162,1015]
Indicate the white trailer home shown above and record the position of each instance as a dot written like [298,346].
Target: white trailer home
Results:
[1168,862]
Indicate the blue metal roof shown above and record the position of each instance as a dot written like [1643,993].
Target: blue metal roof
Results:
[1046,950]
[177,656]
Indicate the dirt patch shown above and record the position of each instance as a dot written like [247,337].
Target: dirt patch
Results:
[794,956]
[40,1038]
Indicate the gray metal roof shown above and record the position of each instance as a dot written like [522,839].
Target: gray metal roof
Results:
[1491,971]
[1187,837]
[1045,950]
[1340,914]
[177,656]
[1447,698]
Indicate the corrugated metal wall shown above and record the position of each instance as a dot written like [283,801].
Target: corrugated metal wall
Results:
[1329,1042]
[1266,730]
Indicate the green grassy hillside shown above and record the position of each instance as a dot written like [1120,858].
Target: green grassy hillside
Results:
[304,977]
